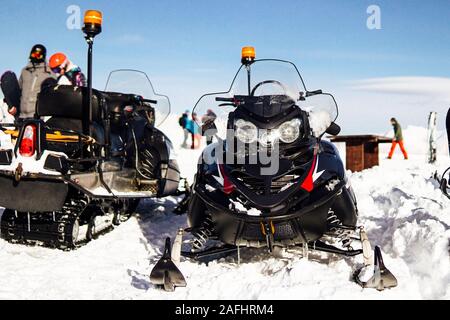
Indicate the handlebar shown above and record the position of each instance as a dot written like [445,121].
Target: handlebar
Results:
[313,93]
[219,99]
[150,101]
[140,99]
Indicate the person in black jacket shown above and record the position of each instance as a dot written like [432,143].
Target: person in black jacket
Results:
[183,124]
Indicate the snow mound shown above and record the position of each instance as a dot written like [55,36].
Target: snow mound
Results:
[408,216]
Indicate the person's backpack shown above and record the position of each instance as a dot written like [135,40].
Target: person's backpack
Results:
[182,122]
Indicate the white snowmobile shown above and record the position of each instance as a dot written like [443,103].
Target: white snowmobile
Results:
[68,179]
[306,202]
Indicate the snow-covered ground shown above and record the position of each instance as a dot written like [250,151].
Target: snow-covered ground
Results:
[400,205]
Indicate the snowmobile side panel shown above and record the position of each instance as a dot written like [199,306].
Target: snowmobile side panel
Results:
[197,211]
[32,195]
[162,144]
[170,172]
[330,160]
[345,208]
[121,182]
[171,181]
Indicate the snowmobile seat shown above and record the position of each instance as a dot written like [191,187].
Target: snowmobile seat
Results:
[66,102]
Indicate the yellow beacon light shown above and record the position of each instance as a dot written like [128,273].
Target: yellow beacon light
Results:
[92,23]
[93,17]
[248,55]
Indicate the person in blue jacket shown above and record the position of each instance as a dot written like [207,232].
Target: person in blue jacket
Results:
[189,126]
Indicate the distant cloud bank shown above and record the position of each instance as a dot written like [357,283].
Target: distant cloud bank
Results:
[425,86]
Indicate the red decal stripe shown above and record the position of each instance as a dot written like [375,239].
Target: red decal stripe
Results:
[228,187]
[308,184]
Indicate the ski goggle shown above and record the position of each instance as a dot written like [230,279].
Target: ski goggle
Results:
[37,55]
[57,70]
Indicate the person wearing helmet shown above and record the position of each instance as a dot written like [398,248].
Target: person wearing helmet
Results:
[33,76]
[68,73]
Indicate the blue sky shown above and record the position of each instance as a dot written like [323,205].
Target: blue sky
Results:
[192,47]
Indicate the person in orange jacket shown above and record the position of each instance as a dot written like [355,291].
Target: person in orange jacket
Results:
[398,139]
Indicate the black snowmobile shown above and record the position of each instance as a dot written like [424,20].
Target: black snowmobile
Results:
[86,168]
[272,182]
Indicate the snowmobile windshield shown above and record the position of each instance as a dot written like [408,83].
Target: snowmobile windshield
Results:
[138,83]
[278,79]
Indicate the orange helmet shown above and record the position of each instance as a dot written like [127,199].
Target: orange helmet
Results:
[58,61]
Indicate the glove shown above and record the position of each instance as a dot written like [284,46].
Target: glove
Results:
[12,111]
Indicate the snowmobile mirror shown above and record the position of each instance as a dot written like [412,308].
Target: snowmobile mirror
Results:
[334,129]
[92,23]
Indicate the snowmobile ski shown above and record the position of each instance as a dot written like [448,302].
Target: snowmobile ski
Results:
[165,273]
[382,278]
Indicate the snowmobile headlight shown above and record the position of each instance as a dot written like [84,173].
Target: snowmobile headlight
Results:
[289,131]
[246,131]
[268,137]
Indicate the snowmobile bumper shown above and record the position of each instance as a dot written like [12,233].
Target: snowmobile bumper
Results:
[32,194]
[37,192]
[298,226]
